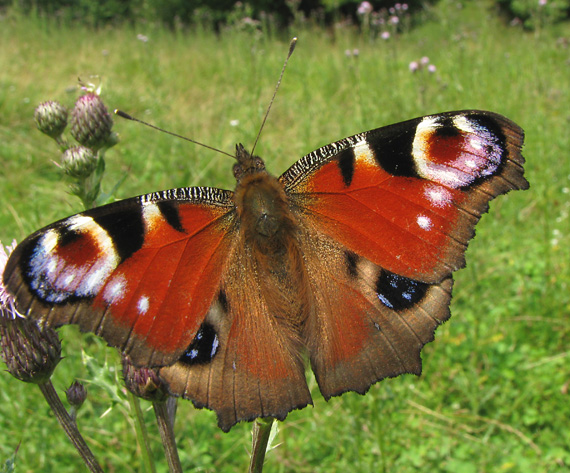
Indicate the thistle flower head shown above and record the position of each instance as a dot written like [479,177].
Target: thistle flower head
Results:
[76,394]
[91,122]
[51,118]
[78,161]
[144,382]
[31,353]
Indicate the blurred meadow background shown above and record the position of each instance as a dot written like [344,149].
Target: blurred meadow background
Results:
[494,394]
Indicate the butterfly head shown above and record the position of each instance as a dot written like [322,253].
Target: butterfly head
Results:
[247,164]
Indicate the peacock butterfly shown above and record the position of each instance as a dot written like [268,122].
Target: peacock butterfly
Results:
[347,258]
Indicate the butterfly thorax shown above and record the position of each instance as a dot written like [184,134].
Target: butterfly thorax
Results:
[266,221]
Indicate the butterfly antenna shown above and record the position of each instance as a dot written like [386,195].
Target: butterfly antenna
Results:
[122,114]
[291,49]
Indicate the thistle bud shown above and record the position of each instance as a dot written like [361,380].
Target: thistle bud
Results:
[51,118]
[144,382]
[30,353]
[78,161]
[91,122]
[76,394]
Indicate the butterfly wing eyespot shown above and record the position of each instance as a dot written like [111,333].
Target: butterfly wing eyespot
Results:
[129,271]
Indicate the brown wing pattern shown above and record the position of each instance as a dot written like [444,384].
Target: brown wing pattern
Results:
[256,369]
[367,324]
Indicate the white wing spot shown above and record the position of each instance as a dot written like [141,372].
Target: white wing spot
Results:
[68,279]
[464,124]
[51,266]
[438,196]
[49,241]
[95,279]
[115,290]
[143,305]
[424,222]
[151,216]
[362,152]
[476,143]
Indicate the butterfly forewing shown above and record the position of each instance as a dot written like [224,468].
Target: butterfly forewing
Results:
[140,272]
[408,196]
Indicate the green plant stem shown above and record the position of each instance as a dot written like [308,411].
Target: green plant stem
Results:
[142,434]
[69,426]
[166,430]
[261,431]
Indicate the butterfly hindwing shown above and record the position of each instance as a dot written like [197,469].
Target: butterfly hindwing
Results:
[257,370]
[368,323]
[129,271]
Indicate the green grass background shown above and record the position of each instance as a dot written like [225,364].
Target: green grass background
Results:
[494,395]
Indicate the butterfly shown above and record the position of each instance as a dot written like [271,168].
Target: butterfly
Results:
[344,263]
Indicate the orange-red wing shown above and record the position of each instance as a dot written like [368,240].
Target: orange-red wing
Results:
[142,272]
[407,196]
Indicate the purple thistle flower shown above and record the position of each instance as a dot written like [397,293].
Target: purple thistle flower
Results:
[91,122]
[6,299]
[364,8]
